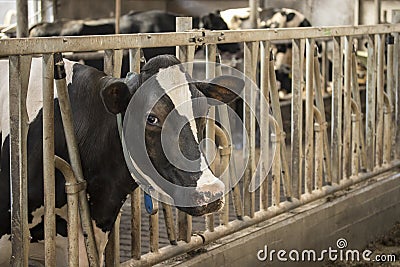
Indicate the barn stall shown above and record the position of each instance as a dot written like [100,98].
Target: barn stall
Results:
[330,188]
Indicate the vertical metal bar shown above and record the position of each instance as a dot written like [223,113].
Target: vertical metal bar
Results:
[319,151]
[154,228]
[297,118]
[254,4]
[112,67]
[276,109]
[309,134]
[396,56]
[249,120]
[347,107]
[387,124]
[379,99]
[74,156]
[264,124]
[355,132]
[336,128]
[276,164]
[117,16]
[22,18]
[370,107]
[18,83]
[169,223]
[357,99]
[48,160]
[211,53]
[378,6]
[185,54]
[390,89]
[321,107]
[134,65]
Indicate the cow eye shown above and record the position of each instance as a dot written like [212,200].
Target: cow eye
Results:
[152,120]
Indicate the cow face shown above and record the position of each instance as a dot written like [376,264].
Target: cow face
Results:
[167,113]
[287,18]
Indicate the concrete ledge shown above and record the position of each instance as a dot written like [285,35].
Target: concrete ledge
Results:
[358,215]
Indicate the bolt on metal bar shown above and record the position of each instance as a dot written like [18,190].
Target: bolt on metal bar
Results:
[357,98]
[48,160]
[371,102]
[250,51]
[297,118]
[136,214]
[19,69]
[264,124]
[336,122]
[74,156]
[348,45]
[276,110]
[379,99]
[185,54]
[309,133]
[321,107]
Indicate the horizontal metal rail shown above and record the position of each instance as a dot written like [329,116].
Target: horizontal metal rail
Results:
[45,45]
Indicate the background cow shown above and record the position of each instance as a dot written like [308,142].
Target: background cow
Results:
[95,99]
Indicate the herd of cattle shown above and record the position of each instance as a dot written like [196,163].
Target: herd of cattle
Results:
[96,99]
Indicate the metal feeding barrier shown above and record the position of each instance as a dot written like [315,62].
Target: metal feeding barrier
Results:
[332,161]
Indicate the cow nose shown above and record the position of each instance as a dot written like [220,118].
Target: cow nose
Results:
[209,187]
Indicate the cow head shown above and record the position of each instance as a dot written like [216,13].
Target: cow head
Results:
[164,105]
[287,18]
[214,21]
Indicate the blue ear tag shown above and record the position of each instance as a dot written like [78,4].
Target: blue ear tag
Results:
[148,203]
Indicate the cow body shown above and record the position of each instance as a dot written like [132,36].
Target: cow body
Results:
[95,99]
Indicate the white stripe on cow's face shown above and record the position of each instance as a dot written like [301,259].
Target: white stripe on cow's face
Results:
[175,84]
[34,100]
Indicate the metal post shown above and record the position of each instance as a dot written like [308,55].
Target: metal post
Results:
[117,16]
[136,217]
[48,160]
[379,99]
[22,18]
[74,156]
[309,133]
[297,118]
[250,50]
[355,137]
[19,69]
[264,124]
[276,164]
[336,128]
[169,223]
[211,53]
[185,54]
[390,89]
[319,126]
[378,6]
[348,45]
[387,124]
[396,68]
[254,16]
[370,107]
[154,228]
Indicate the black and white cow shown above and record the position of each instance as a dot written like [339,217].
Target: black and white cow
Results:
[95,99]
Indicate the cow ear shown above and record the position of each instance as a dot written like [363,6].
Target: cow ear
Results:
[116,97]
[224,89]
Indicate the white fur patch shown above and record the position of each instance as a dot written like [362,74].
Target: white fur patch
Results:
[34,98]
[176,86]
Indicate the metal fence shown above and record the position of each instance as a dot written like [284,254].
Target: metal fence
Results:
[358,146]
